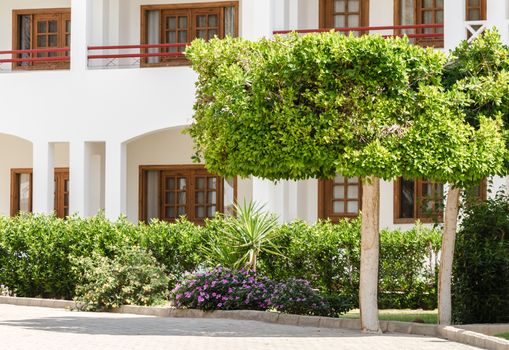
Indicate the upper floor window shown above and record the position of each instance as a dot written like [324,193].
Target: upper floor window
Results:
[419,12]
[476,10]
[41,29]
[418,199]
[339,198]
[168,192]
[182,23]
[344,13]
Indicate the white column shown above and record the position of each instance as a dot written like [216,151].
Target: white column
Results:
[43,178]
[454,23]
[80,24]
[116,179]
[293,195]
[77,169]
[257,19]
[293,14]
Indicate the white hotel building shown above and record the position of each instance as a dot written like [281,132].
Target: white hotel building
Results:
[95,95]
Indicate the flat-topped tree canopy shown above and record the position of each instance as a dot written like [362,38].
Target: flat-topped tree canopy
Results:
[297,107]
[479,72]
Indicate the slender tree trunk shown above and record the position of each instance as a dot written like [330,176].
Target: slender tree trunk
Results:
[447,256]
[370,246]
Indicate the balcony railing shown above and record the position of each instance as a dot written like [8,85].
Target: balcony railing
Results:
[423,34]
[474,29]
[35,59]
[136,55]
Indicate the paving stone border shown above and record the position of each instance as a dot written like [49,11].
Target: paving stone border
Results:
[455,334]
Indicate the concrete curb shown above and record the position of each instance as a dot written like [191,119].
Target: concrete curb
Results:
[52,303]
[455,334]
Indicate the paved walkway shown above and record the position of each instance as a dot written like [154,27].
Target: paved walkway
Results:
[40,328]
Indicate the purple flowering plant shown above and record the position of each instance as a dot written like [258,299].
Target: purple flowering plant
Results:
[223,289]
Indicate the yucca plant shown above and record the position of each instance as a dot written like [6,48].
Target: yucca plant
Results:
[244,237]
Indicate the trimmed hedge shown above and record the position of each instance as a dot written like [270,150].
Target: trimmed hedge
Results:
[328,255]
[480,288]
[37,254]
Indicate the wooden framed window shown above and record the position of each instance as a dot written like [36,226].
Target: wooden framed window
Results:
[182,23]
[21,191]
[41,29]
[475,11]
[168,192]
[339,198]
[416,12]
[62,192]
[478,193]
[418,199]
[344,13]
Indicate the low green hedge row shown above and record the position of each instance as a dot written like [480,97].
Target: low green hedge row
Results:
[37,254]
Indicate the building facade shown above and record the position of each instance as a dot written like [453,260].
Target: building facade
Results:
[96,94]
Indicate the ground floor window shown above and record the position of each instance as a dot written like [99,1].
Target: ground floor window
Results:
[339,198]
[22,191]
[169,192]
[418,199]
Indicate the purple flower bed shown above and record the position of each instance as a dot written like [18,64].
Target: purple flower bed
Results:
[222,289]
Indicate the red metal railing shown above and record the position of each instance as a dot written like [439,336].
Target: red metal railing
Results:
[142,53]
[32,56]
[160,51]
[396,29]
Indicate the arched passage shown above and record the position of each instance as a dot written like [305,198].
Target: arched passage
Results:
[163,155]
[16,156]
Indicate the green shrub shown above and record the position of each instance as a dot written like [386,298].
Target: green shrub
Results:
[243,238]
[327,255]
[409,268]
[480,287]
[131,277]
[36,254]
[296,296]
[174,245]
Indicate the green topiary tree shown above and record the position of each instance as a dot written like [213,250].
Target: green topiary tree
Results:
[477,79]
[312,106]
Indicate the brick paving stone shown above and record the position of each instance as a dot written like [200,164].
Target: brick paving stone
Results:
[26,328]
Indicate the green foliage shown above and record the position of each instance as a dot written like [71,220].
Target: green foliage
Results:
[306,106]
[174,245]
[36,251]
[328,255]
[408,268]
[481,265]
[296,296]
[251,232]
[477,75]
[503,335]
[131,277]
[37,255]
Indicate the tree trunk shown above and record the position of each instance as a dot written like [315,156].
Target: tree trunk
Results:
[370,246]
[447,256]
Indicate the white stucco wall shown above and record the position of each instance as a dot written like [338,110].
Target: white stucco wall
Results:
[110,107]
